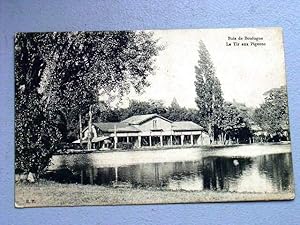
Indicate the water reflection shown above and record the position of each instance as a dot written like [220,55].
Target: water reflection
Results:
[267,173]
[221,173]
[278,169]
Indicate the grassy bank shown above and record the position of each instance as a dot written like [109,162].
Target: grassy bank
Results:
[47,193]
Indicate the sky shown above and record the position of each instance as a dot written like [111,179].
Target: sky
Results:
[245,72]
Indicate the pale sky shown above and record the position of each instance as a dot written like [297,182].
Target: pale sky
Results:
[245,72]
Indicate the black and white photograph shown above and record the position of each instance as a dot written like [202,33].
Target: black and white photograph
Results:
[151,117]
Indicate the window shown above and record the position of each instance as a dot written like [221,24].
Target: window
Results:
[154,124]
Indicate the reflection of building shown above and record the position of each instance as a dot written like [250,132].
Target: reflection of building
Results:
[150,130]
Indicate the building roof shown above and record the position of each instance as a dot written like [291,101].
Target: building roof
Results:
[120,127]
[186,126]
[139,119]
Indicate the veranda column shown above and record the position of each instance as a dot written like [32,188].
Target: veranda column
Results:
[192,139]
[115,142]
[171,137]
[139,141]
[116,174]
[161,140]
[115,137]
[182,138]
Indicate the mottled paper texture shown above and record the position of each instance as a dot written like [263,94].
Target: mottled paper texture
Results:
[148,117]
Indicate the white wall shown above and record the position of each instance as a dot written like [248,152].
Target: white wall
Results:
[160,124]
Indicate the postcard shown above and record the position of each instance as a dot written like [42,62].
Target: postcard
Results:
[151,117]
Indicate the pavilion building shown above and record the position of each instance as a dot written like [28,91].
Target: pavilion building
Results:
[150,130]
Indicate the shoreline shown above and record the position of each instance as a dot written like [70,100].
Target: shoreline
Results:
[52,194]
[205,148]
[125,158]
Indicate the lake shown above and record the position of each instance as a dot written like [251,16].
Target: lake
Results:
[247,168]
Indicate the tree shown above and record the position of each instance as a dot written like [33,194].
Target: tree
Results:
[234,123]
[141,107]
[36,129]
[272,115]
[208,89]
[59,75]
[175,112]
[97,64]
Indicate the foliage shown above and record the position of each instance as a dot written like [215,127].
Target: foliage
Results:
[272,115]
[141,107]
[177,113]
[174,112]
[59,75]
[208,89]
[35,130]
[230,117]
[234,123]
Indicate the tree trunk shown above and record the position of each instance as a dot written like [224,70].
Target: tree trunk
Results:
[89,146]
[210,133]
[224,138]
[80,130]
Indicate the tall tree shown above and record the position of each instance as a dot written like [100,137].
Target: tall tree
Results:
[95,64]
[59,75]
[36,129]
[208,89]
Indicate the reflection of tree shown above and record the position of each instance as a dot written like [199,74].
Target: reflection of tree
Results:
[278,168]
[61,176]
[150,174]
[219,171]
[76,168]
[104,176]
[184,169]
[157,174]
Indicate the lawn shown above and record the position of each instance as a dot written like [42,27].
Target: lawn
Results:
[48,193]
